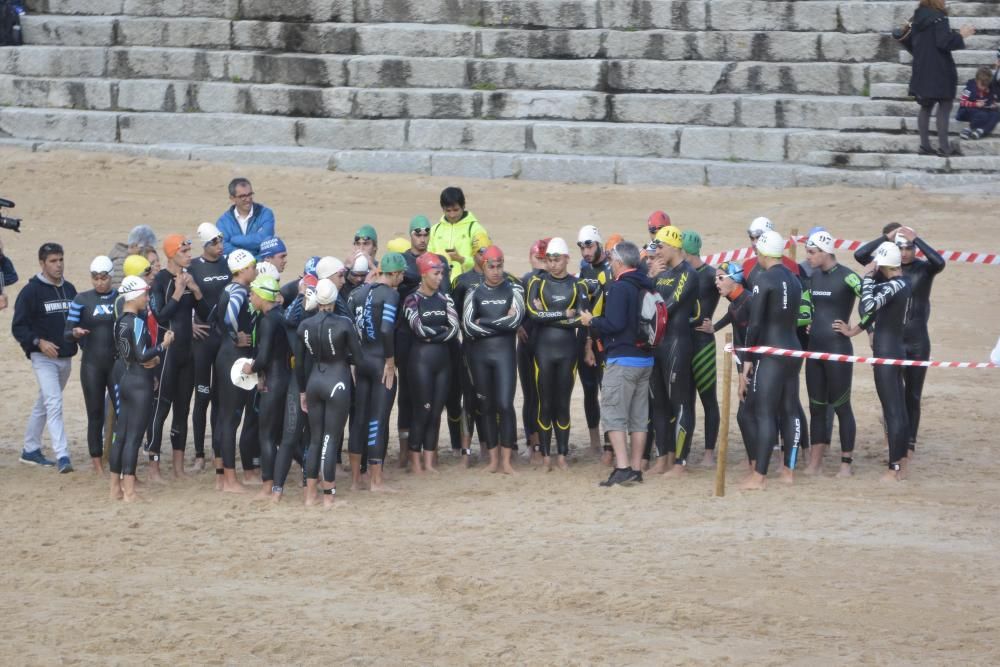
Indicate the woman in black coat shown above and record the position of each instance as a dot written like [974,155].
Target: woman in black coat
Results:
[934,79]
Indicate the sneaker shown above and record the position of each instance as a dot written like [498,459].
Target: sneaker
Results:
[635,477]
[926,150]
[619,476]
[35,458]
[977,133]
[966,133]
[64,464]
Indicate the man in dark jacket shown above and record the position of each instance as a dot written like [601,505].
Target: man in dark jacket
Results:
[8,276]
[39,322]
[625,388]
[245,224]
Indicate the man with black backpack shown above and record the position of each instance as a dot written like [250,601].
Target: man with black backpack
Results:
[625,388]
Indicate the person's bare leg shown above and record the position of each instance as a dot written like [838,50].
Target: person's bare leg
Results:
[404,450]
[595,441]
[97,464]
[562,463]
[846,469]
[219,477]
[429,462]
[620,449]
[355,472]
[129,494]
[708,460]
[816,453]
[494,460]
[229,482]
[116,487]
[153,472]
[378,484]
[755,482]
[178,464]
[638,441]
[311,497]
[199,464]
[547,463]
[415,466]
[676,471]
[329,498]
[506,454]
[662,464]
[786,475]
[251,476]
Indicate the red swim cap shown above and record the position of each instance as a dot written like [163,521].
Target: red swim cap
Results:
[310,280]
[428,262]
[657,220]
[493,254]
[539,247]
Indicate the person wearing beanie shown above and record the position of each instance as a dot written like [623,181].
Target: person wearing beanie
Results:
[703,371]
[273,250]
[211,274]
[375,304]
[491,317]
[173,298]
[671,383]
[774,392]
[595,273]
[39,323]
[452,235]
[91,324]
[139,357]
[140,237]
[245,224]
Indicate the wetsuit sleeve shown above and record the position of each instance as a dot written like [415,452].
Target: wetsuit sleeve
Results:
[469,313]
[161,300]
[300,357]
[865,253]
[390,304]
[293,314]
[231,318]
[536,313]
[723,322]
[73,319]
[935,262]
[875,296]
[452,319]
[511,322]
[411,311]
[266,331]
[141,353]
[758,315]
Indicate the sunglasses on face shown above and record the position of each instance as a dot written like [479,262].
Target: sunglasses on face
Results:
[149,269]
[653,230]
[248,195]
[586,244]
[216,241]
[422,231]
[361,239]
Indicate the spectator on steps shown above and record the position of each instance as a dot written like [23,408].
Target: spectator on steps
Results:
[246,224]
[934,79]
[978,105]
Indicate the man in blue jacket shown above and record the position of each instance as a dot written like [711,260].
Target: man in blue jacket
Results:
[39,322]
[625,388]
[246,224]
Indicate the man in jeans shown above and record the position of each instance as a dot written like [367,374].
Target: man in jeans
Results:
[39,321]
[625,388]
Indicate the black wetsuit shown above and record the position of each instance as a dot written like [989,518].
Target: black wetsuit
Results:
[526,369]
[775,383]
[461,392]
[703,368]
[96,313]
[920,275]
[556,351]
[433,323]
[490,328]
[273,362]
[236,316]
[375,308]
[331,343]
[212,278]
[596,278]
[176,371]
[134,391]
[829,382]
[671,382]
[887,302]
[738,315]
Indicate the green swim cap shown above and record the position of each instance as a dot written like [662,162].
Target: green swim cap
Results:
[691,243]
[266,287]
[392,262]
[366,232]
[419,222]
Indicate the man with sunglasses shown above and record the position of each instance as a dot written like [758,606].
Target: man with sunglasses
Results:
[39,323]
[211,275]
[246,224]
[595,273]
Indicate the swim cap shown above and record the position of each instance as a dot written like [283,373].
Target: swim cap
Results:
[398,244]
[135,265]
[770,244]
[813,230]
[588,233]
[268,269]
[428,262]
[310,267]
[888,254]
[691,242]
[239,259]
[481,241]
[265,287]
[419,222]
[733,270]
[821,241]
[102,264]
[493,254]
[557,246]
[208,232]
[392,262]
[759,226]
[133,287]
[173,244]
[670,236]
[326,292]
[902,241]
[360,265]
[656,221]
[272,246]
[328,266]
[612,241]
[539,247]
[366,232]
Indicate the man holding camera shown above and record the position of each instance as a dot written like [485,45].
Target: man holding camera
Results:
[39,322]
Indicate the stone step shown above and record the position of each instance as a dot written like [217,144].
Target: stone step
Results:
[889,123]
[815,15]
[969,57]
[420,40]
[801,144]
[895,73]
[982,163]
[898,91]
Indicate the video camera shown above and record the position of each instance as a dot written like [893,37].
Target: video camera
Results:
[13,224]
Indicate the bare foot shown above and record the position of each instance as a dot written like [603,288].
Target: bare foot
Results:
[845,471]
[492,467]
[607,458]
[676,472]
[431,470]
[251,477]
[508,469]
[813,470]
[233,487]
[276,498]
[310,499]
[708,461]
[659,467]
[561,463]
[180,473]
[328,500]
[199,464]
[889,476]
[154,473]
[786,475]
[382,488]
[755,482]
[97,465]
[133,498]
[116,488]
[264,493]
[219,482]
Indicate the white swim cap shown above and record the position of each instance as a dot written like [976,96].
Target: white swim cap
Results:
[821,241]
[557,246]
[102,264]
[240,259]
[329,266]
[133,287]
[770,244]
[589,233]
[759,226]
[268,269]
[888,254]
[326,292]
[208,232]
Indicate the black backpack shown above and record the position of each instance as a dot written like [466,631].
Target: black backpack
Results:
[10,24]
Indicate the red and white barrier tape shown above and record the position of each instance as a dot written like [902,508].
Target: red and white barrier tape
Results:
[743,254]
[853,359]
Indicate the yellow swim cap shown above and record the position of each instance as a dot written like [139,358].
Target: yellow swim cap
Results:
[481,241]
[399,245]
[671,236]
[135,265]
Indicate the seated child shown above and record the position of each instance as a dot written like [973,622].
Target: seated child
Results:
[978,106]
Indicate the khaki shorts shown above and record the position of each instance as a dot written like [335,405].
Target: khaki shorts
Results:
[625,398]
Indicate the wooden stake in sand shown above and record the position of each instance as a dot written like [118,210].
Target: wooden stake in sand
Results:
[727,385]
[793,249]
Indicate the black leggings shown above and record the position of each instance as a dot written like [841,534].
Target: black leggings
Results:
[889,386]
[775,388]
[829,387]
[703,372]
[205,391]
[454,403]
[174,394]
[529,388]
[913,385]
[233,401]
[250,433]
[292,434]
[404,403]
[555,375]
[328,395]
[134,404]
[943,117]
[97,383]
[590,380]
[373,405]
[494,372]
[429,375]
[673,397]
[271,410]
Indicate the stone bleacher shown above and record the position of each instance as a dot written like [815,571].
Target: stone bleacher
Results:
[673,92]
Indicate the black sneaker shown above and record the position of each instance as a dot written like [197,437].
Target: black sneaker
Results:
[926,150]
[635,477]
[620,476]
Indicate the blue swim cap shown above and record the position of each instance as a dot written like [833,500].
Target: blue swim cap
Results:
[270,247]
[732,269]
[310,269]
